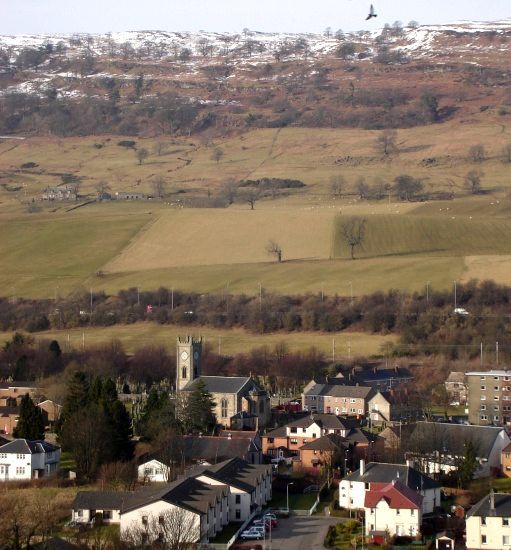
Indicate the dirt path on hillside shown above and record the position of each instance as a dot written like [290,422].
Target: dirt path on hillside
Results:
[268,156]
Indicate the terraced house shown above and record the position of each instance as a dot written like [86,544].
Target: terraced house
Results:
[201,504]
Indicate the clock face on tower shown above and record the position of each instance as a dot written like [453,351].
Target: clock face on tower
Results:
[184,355]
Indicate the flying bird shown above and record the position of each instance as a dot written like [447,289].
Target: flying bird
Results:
[371,13]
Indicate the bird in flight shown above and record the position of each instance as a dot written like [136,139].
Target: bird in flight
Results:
[371,13]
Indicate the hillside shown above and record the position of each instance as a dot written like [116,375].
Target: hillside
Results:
[280,118]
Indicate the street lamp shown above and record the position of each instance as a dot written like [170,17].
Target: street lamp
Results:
[287,494]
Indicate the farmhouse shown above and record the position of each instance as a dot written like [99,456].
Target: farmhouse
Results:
[337,399]
[64,193]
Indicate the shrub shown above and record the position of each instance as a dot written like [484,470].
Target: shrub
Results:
[129,144]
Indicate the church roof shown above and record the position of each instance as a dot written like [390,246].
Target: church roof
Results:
[224,384]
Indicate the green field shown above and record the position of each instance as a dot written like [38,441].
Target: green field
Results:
[223,341]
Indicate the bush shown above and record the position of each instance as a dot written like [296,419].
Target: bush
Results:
[127,143]
[29,165]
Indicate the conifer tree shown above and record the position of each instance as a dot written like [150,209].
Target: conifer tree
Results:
[199,413]
[31,423]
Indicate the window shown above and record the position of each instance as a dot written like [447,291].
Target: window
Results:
[107,514]
[483,539]
[496,417]
[360,411]
[484,417]
[3,455]
[412,512]
[483,521]
[161,538]
[223,405]
[496,408]
[353,400]
[372,511]
[495,377]
[20,457]
[505,522]
[398,512]
[238,514]
[483,377]
[161,520]
[496,388]
[183,373]
[483,407]
[353,410]
[314,436]
[483,387]
[293,441]
[80,513]
[20,470]
[495,397]
[505,540]
[483,397]
[366,486]
[237,499]
[294,430]
[144,520]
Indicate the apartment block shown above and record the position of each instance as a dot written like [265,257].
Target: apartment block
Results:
[489,397]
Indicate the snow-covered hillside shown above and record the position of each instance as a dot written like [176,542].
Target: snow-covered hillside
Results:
[421,40]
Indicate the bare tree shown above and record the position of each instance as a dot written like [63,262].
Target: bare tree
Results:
[477,153]
[159,147]
[217,154]
[158,185]
[141,154]
[274,249]
[230,190]
[473,181]
[386,142]
[102,188]
[353,233]
[173,529]
[362,188]
[506,151]
[251,196]
[337,184]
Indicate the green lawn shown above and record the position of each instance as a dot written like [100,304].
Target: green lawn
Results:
[296,501]
[227,533]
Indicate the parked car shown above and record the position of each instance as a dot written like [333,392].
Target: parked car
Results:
[261,524]
[252,534]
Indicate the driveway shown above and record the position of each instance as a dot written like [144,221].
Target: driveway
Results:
[299,533]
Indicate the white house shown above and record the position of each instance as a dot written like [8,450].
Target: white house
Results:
[438,446]
[24,459]
[393,508]
[154,470]
[488,523]
[206,500]
[374,475]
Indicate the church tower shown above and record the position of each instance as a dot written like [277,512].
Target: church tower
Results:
[188,364]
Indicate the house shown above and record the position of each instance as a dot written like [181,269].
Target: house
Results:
[329,451]
[438,447]
[505,461]
[19,389]
[337,399]
[396,405]
[489,397]
[392,509]
[394,439]
[24,459]
[62,193]
[9,417]
[241,403]
[129,196]
[192,449]
[250,486]
[51,411]
[456,388]
[488,523]
[381,378]
[202,502]
[295,434]
[353,488]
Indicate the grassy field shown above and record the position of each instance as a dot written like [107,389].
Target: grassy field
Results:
[148,244]
[226,341]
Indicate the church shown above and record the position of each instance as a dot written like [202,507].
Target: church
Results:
[241,403]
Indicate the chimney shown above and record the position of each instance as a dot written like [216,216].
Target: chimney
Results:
[362,466]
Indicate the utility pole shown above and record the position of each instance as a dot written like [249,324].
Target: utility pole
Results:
[138,296]
[260,296]
[351,292]
[497,353]
[333,350]
[481,354]
[219,345]
[427,292]
[172,298]
[455,297]
[322,291]
[91,301]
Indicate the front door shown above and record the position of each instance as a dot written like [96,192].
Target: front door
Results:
[4,472]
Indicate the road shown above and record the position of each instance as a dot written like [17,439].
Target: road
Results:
[299,533]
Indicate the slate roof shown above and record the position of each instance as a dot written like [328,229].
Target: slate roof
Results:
[483,507]
[24,446]
[100,500]
[330,442]
[19,384]
[453,436]
[341,390]
[235,472]
[380,472]
[396,494]
[377,375]
[327,421]
[223,384]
